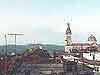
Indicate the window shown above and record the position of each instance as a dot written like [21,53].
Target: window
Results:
[97,69]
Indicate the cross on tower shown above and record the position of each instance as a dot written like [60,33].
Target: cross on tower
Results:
[67,20]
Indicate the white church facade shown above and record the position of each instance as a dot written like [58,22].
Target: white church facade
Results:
[70,45]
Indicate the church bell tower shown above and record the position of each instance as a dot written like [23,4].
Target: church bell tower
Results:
[68,39]
[68,34]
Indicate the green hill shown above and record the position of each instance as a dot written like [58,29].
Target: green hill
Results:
[21,48]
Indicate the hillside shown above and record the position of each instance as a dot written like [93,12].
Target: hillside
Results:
[21,48]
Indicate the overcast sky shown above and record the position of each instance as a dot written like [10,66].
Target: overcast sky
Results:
[43,20]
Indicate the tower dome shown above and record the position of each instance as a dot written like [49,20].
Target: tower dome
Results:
[92,38]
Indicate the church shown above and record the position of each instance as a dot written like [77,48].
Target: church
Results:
[91,43]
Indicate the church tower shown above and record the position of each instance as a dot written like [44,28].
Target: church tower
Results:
[68,39]
[68,34]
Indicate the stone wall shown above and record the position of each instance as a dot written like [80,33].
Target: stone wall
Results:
[68,68]
[39,69]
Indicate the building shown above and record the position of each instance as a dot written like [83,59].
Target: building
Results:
[70,45]
[90,50]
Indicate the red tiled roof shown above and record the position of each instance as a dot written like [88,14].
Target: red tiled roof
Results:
[91,62]
[82,44]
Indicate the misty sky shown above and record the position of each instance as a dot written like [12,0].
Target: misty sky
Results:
[43,20]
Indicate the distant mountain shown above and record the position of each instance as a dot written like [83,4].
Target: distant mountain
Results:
[21,48]
[49,47]
[11,49]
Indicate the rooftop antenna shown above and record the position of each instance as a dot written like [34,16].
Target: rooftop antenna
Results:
[15,35]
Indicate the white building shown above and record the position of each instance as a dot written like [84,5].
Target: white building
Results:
[69,44]
[89,46]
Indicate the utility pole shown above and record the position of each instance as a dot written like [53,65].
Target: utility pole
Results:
[5,66]
[15,35]
[6,44]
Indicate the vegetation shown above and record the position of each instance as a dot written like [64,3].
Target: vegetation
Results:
[22,48]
